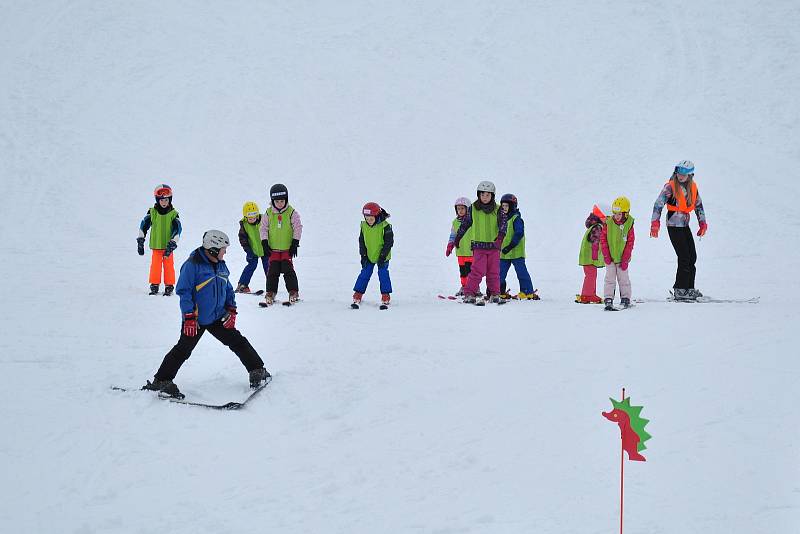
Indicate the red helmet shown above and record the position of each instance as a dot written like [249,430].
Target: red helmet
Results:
[162,191]
[371,208]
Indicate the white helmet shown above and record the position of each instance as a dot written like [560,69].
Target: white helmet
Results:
[486,187]
[684,167]
[214,240]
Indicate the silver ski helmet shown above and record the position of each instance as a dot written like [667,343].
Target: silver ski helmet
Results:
[278,192]
[214,241]
[486,187]
[684,167]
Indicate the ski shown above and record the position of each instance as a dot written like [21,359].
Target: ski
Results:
[233,405]
[447,297]
[712,300]
[253,293]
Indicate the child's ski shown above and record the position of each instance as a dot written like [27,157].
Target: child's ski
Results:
[233,405]
[254,293]
[447,297]
[704,299]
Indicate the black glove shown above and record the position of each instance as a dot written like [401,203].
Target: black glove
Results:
[507,249]
[172,245]
[265,246]
[140,246]
[293,248]
[382,259]
[364,261]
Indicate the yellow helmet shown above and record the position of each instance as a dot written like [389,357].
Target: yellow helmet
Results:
[621,205]
[250,209]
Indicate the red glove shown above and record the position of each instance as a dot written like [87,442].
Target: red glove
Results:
[449,249]
[623,265]
[229,319]
[703,229]
[190,324]
[654,227]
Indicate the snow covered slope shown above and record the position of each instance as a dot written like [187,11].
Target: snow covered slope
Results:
[431,417]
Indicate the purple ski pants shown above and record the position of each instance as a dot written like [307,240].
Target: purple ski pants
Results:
[484,263]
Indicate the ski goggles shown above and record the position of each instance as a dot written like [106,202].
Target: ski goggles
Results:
[684,170]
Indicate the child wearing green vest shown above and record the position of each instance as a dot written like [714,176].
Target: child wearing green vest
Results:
[250,239]
[616,242]
[513,251]
[489,225]
[280,234]
[166,230]
[590,257]
[375,243]
[464,251]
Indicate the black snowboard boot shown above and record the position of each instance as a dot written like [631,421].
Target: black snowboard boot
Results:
[168,290]
[167,387]
[258,377]
[609,304]
[153,289]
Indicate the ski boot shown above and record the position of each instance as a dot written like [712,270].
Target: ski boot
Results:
[385,298]
[269,298]
[469,299]
[168,290]
[153,289]
[242,288]
[165,387]
[460,292]
[259,377]
[505,295]
[494,299]
[683,294]
[294,297]
[528,296]
[626,302]
[609,305]
[588,299]
[356,300]
[478,294]
[694,293]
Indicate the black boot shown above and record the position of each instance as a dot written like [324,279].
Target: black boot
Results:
[609,305]
[626,303]
[153,289]
[168,290]
[258,377]
[167,387]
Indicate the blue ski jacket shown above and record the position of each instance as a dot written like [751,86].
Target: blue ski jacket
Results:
[204,287]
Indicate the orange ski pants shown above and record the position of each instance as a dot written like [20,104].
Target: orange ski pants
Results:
[156,261]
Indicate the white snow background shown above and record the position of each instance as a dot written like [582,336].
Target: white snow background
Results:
[432,417]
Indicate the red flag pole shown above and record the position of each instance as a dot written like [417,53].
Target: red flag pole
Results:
[621,476]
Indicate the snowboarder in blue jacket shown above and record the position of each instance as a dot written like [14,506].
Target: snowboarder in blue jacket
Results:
[207,303]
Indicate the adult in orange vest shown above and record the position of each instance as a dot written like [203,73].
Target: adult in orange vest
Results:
[681,197]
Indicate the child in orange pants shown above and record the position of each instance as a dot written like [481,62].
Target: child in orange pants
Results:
[166,230]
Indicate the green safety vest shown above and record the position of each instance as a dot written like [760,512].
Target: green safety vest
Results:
[253,236]
[617,237]
[465,245]
[280,233]
[373,239]
[484,225]
[161,228]
[519,250]
[585,255]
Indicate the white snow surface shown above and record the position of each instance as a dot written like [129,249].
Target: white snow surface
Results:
[433,417]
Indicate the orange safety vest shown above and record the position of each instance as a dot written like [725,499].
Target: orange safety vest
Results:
[680,199]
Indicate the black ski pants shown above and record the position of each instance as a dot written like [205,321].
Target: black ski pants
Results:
[683,243]
[230,337]
[286,268]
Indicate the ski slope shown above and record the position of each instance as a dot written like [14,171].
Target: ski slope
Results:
[431,417]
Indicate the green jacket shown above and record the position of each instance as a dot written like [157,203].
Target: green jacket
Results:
[465,246]
[585,254]
[617,237]
[519,249]
[280,231]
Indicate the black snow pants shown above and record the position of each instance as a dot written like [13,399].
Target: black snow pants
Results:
[230,337]
[683,243]
[278,267]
